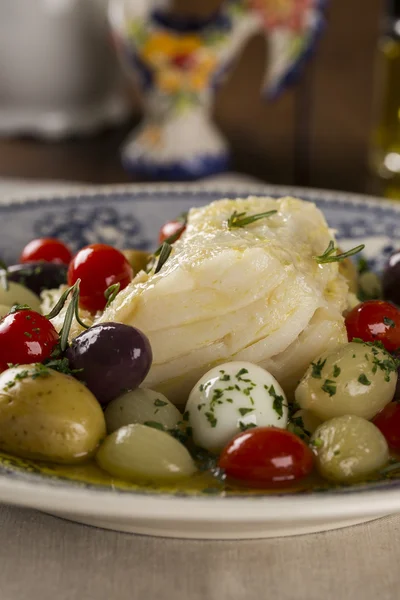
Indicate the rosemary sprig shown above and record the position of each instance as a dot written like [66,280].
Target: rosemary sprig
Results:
[3,276]
[111,293]
[329,255]
[71,312]
[240,220]
[164,255]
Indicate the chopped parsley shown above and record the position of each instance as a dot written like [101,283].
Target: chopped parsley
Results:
[16,307]
[201,387]
[245,411]
[159,402]
[329,387]
[336,371]
[278,402]
[296,426]
[27,334]
[389,322]
[246,426]
[185,416]
[211,418]
[317,368]
[200,406]
[364,379]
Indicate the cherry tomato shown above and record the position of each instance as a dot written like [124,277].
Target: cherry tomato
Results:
[98,266]
[265,456]
[374,321]
[388,422]
[171,228]
[26,337]
[46,249]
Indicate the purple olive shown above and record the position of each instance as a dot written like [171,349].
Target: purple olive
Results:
[38,276]
[391,279]
[114,358]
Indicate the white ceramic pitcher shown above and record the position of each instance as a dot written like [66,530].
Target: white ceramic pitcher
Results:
[58,72]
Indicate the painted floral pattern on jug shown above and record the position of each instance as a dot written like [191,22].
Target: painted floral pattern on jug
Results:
[179,63]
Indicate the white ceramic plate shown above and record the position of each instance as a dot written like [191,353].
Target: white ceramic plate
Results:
[131,216]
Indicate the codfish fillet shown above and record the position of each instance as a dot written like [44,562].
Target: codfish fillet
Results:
[253,293]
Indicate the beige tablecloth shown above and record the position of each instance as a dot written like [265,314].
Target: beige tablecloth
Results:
[44,558]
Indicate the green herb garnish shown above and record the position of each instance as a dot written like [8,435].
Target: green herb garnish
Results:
[244,411]
[363,379]
[336,371]
[389,322]
[164,253]
[317,368]
[211,418]
[240,220]
[159,402]
[111,293]
[329,255]
[329,387]
[278,402]
[16,307]
[246,426]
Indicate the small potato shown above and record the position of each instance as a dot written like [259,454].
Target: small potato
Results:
[138,259]
[356,379]
[4,310]
[18,294]
[48,416]
[137,453]
[348,449]
[141,406]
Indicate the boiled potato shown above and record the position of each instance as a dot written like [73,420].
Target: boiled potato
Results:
[355,379]
[349,448]
[137,452]
[141,406]
[4,310]
[138,259]
[48,416]
[18,294]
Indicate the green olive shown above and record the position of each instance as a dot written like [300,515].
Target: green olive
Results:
[48,416]
[141,406]
[19,294]
[349,448]
[141,453]
[355,379]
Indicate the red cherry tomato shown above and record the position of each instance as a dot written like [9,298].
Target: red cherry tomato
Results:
[46,249]
[388,422]
[171,228]
[265,456]
[26,337]
[374,321]
[98,266]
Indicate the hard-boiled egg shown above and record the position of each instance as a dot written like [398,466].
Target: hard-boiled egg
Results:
[231,398]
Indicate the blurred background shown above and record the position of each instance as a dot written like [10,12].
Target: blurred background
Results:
[332,128]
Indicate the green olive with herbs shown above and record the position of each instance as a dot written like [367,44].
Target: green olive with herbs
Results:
[47,415]
[356,379]
[19,294]
[349,449]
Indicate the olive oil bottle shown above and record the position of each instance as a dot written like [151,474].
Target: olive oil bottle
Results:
[385,148]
